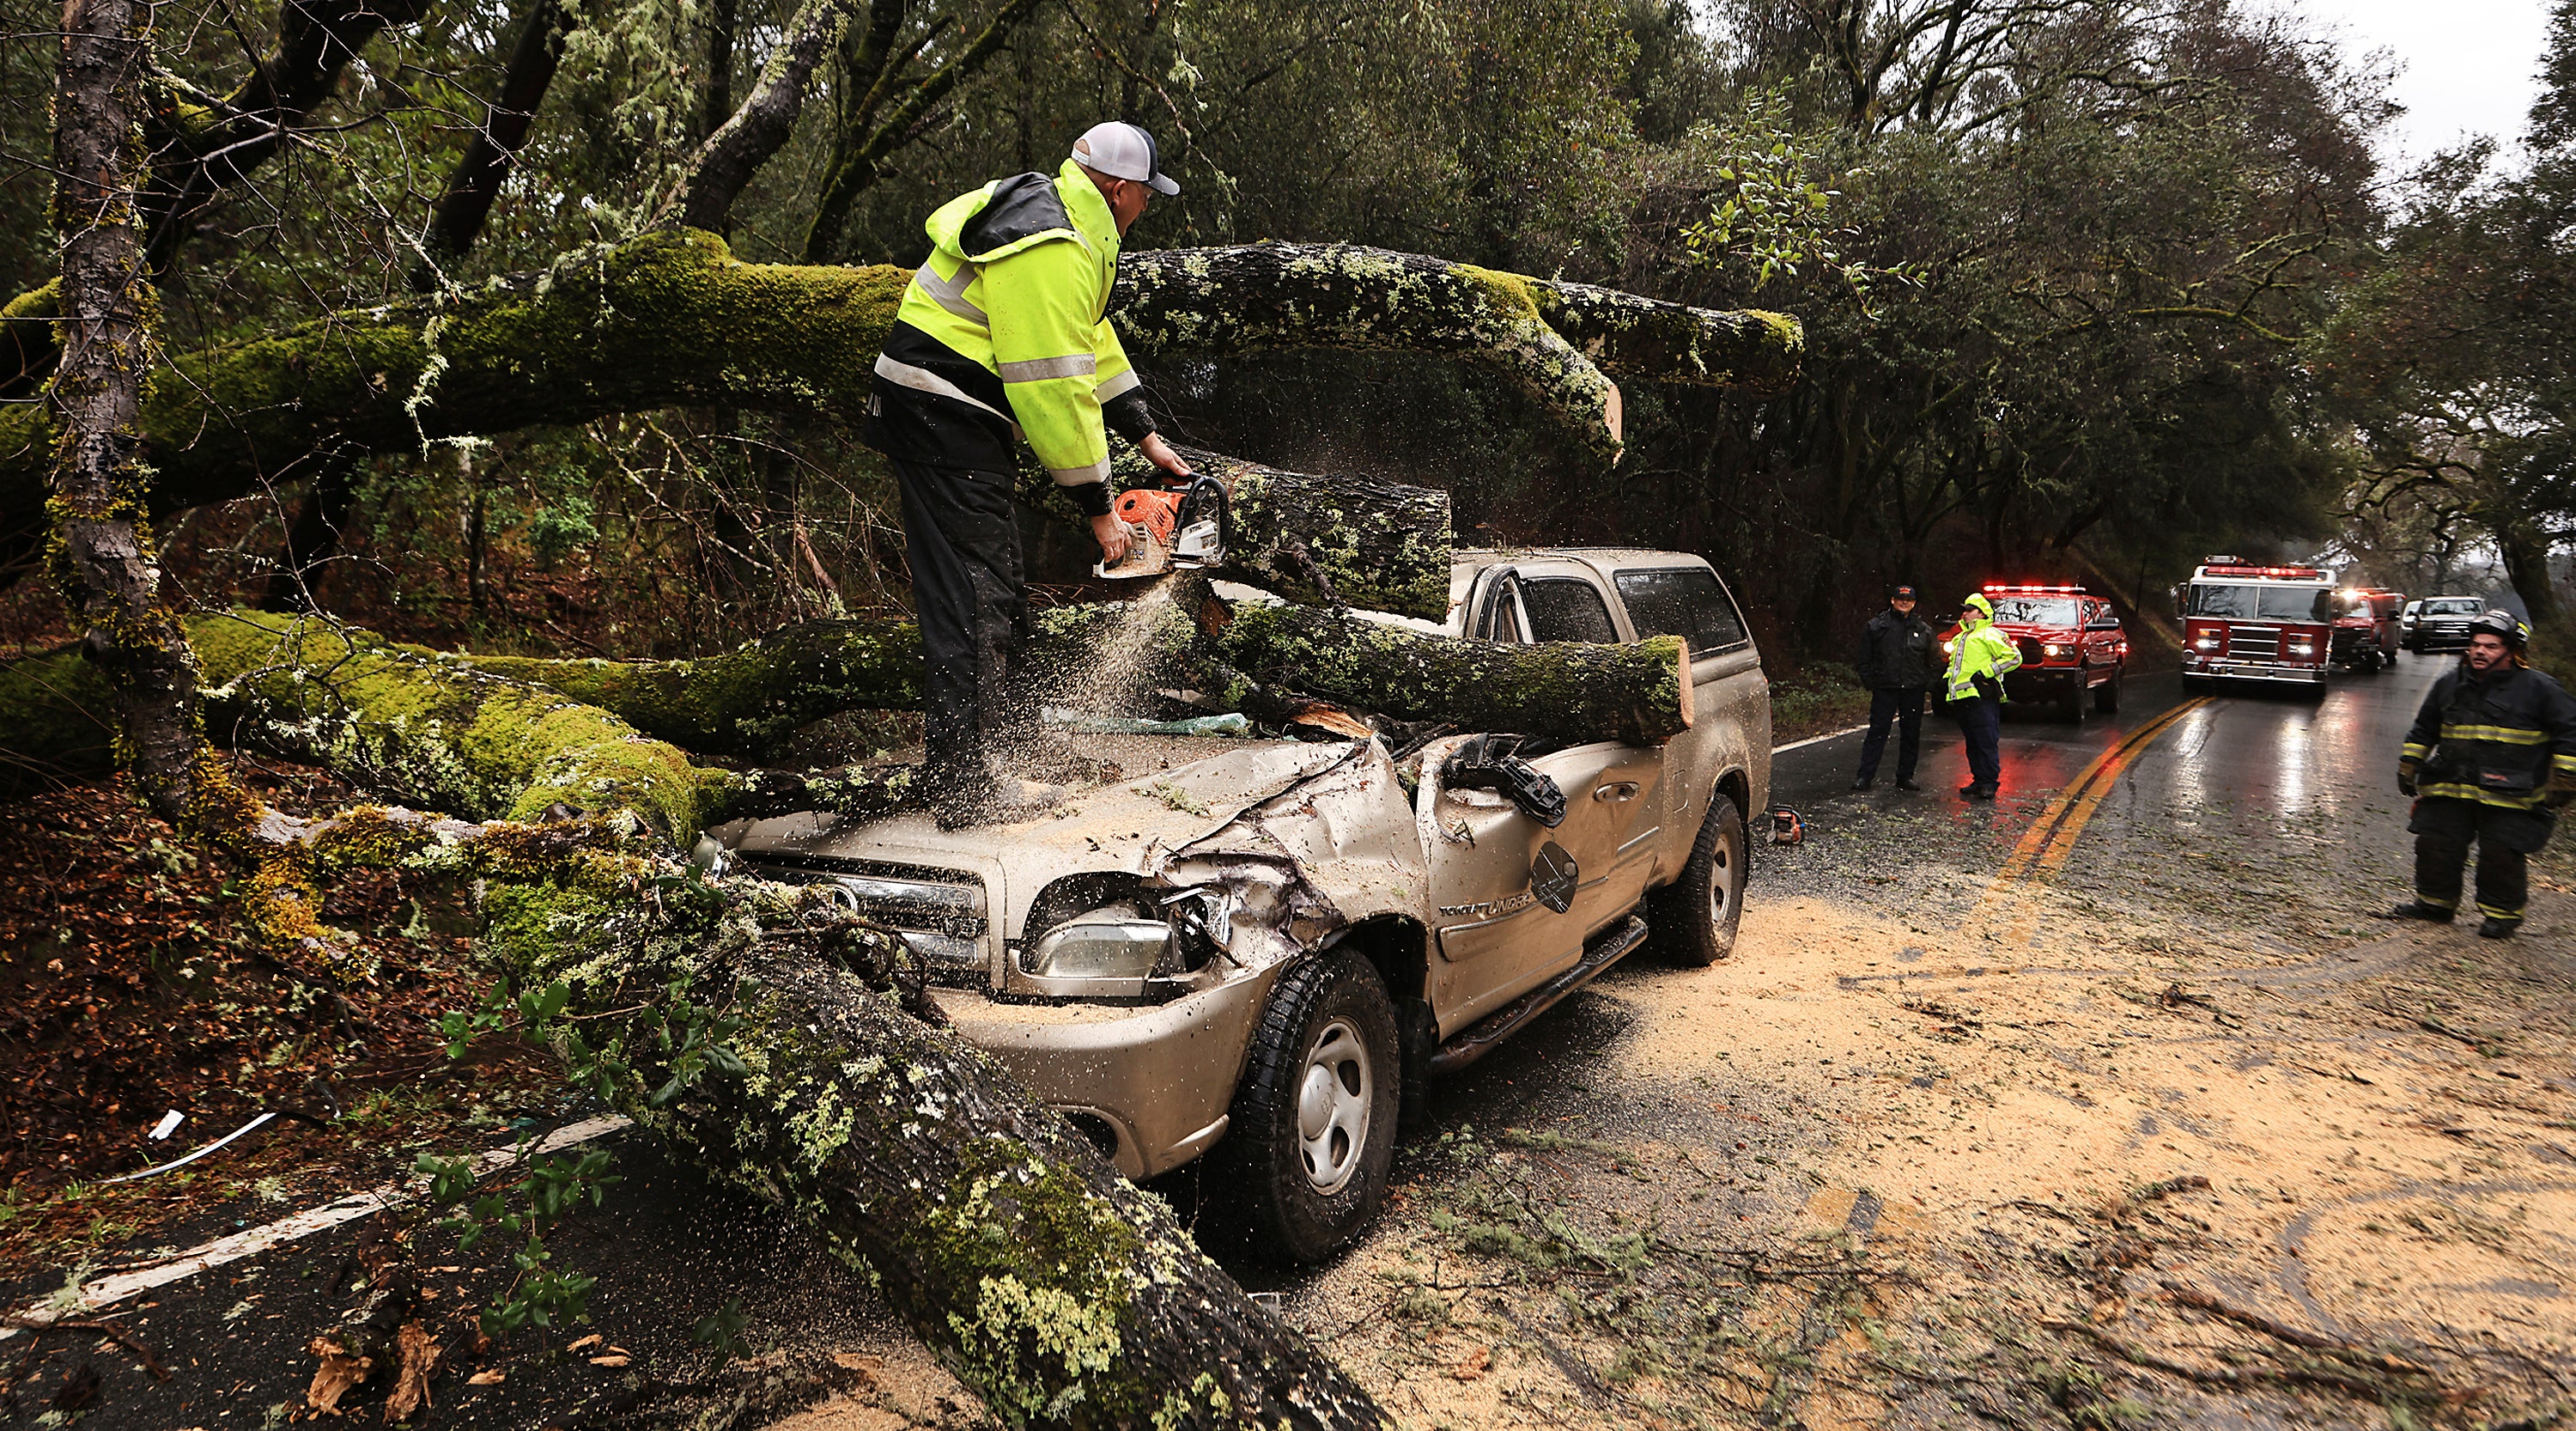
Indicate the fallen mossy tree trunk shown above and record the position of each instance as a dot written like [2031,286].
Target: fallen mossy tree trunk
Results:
[673,319]
[1560,689]
[585,734]
[1061,1293]
[415,725]
[1562,342]
[1564,690]
[1046,1282]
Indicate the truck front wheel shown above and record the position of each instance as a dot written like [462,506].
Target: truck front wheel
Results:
[1694,918]
[1313,1127]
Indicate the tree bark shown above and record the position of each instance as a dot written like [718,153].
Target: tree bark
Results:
[673,319]
[102,557]
[457,218]
[725,163]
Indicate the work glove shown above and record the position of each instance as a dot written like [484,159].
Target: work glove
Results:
[2406,777]
[1989,687]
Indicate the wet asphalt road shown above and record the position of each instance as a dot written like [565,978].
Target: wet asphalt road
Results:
[2283,810]
[2249,749]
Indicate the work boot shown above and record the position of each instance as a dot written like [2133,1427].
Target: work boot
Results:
[1981,792]
[1863,783]
[2493,928]
[2418,909]
[1968,791]
[1906,783]
[1003,800]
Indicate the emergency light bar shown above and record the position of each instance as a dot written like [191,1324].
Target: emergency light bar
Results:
[2001,586]
[2294,573]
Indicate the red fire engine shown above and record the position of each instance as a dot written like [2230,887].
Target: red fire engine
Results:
[2365,628]
[2071,645]
[2243,622]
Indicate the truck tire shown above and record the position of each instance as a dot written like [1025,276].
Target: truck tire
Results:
[1312,1132]
[1694,918]
[2070,707]
[2106,696]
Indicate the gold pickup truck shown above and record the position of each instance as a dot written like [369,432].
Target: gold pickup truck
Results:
[1257,950]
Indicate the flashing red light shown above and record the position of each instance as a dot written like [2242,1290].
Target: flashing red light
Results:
[2022,586]
[2292,573]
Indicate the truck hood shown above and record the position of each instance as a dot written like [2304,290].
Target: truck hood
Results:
[1181,812]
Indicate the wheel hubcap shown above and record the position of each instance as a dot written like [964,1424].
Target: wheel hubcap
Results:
[1720,885]
[1334,1096]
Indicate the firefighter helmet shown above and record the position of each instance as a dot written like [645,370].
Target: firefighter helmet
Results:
[2504,626]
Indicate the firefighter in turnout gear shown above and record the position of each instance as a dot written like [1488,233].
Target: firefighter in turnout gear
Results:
[1980,658]
[1004,333]
[2492,757]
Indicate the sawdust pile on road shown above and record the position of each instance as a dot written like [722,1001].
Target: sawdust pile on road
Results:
[1860,1175]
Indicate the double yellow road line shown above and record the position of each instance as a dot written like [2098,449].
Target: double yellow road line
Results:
[2027,872]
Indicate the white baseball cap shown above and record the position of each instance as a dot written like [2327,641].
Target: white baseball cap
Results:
[1122,151]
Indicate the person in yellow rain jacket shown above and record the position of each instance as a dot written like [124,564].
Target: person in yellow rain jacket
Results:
[1980,657]
[1004,333]
[2491,757]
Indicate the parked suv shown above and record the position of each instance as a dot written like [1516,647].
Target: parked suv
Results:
[2442,623]
[1255,951]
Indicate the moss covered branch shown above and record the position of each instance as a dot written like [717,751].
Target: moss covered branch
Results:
[674,319]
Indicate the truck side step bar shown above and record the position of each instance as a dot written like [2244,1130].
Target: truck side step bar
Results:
[1478,1039]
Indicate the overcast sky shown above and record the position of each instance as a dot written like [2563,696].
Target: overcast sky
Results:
[2469,66]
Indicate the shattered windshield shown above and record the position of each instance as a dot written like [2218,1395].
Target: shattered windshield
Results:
[2249,601]
[2035,610]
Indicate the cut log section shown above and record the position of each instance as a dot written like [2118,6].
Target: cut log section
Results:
[1564,690]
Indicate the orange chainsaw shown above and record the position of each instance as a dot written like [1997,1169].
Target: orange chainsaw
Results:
[1184,524]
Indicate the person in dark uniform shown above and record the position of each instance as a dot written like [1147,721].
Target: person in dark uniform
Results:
[2492,757]
[1004,334]
[1899,656]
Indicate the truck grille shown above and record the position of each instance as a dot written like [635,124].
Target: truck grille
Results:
[940,914]
[2254,643]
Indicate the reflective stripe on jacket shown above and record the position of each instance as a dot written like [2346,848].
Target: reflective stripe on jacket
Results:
[2504,740]
[1005,327]
[1980,650]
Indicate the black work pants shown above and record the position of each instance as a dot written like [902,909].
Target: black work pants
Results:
[1901,707]
[1981,727]
[962,541]
[2444,827]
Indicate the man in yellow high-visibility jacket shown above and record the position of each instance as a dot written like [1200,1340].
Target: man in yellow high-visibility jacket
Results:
[1980,657]
[1004,333]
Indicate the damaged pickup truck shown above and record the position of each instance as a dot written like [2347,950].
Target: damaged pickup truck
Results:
[1257,950]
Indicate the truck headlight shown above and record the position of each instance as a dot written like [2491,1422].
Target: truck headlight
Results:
[1104,944]
[2302,648]
[2054,649]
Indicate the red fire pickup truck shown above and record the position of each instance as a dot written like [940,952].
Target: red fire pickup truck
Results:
[2071,644]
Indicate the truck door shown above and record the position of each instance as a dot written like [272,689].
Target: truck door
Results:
[1513,900]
